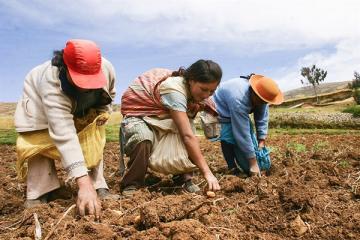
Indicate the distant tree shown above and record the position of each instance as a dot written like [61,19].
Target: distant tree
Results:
[313,76]
[356,80]
[356,86]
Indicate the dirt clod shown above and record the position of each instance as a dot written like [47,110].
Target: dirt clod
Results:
[298,226]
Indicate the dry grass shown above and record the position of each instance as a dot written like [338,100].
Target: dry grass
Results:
[115,118]
[339,107]
[6,122]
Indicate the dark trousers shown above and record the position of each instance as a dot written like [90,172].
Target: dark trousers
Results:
[234,158]
[137,165]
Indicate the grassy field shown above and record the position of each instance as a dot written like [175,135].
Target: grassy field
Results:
[8,134]
[355,110]
[304,131]
[330,108]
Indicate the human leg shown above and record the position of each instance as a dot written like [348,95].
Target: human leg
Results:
[41,179]
[137,165]
[241,161]
[97,176]
[137,144]
[228,151]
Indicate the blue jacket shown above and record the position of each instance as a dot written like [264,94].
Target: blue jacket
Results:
[233,103]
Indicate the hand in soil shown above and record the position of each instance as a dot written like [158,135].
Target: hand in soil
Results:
[213,184]
[255,174]
[87,200]
[254,168]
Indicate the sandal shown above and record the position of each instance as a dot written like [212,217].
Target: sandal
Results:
[129,190]
[104,194]
[30,203]
[191,187]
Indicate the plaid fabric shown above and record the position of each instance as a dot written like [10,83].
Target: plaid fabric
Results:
[209,106]
[135,130]
[142,98]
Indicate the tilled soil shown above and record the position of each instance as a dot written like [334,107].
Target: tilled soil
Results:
[311,192]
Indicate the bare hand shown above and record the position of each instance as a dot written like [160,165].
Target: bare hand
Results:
[87,200]
[261,143]
[254,167]
[101,120]
[213,184]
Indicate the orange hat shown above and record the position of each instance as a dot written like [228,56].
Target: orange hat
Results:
[266,89]
[83,61]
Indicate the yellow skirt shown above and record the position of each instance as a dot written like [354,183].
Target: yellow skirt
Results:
[92,139]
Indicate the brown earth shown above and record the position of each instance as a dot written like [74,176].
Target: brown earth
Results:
[311,192]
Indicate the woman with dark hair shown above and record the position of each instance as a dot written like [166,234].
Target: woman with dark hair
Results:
[157,131]
[58,99]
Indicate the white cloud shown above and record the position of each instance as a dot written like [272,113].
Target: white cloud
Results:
[251,26]
[340,64]
[276,24]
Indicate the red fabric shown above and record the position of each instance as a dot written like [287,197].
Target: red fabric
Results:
[142,98]
[209,106]
[83,61]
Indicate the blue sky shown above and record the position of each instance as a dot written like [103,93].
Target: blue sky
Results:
[274,38]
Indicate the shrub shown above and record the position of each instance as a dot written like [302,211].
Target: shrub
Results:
[297,147]
[320,145]
[355,84]
[356,81]
[314,76]
[356,95]
[344,164]
[355,110]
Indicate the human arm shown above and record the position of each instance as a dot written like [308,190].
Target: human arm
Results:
[240,122]
[261,143]
[241,130]
[177,102]
[57,107]
[192,146]
[261,118]
[87,200]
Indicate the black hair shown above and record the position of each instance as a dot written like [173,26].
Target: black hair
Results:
[58,60]
[204,71]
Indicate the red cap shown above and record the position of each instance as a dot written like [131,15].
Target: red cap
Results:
[83,61]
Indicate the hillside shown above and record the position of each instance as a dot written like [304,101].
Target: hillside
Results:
[321,89]
[7,109]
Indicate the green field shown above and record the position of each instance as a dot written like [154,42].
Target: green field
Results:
[8,133]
